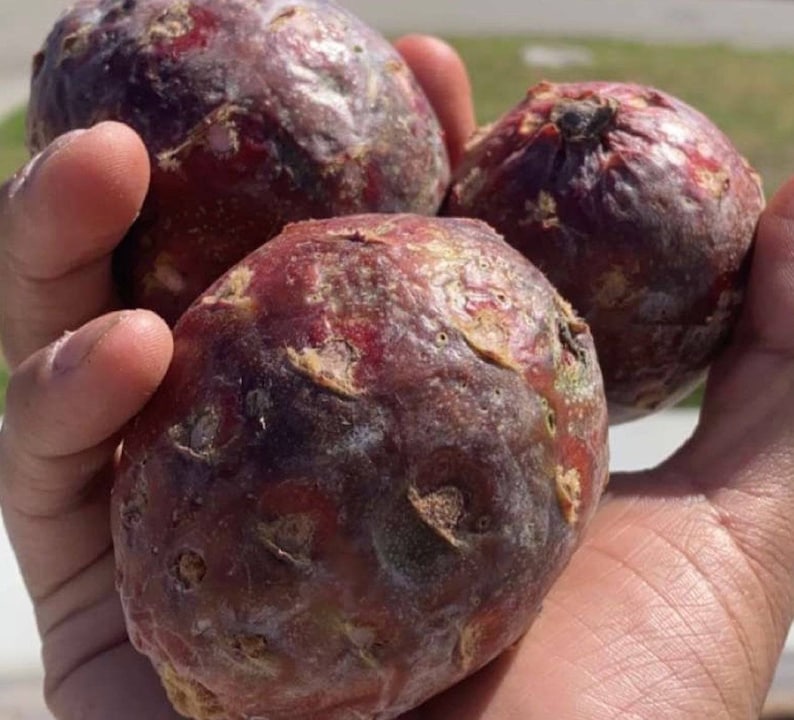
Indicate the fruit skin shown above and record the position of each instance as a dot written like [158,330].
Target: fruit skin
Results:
[255,113]
[641,213]
[378,444]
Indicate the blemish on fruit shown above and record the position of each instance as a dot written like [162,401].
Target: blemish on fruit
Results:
[189,697]
[441,510]
[569,493]
[233,290]
[289,538]
[331,366]
[196,436]
[189,570]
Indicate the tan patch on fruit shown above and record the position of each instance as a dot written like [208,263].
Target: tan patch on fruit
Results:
[190,569]
[289,538]
[471,185]
[165,275]
[75,44]
[285,16]
[331,366]
[253,650]
[569,493]
[478,136]
[612,287]
[394,66]
[216,132]
[173,23]
[716,183]
[361,640]
[542,91]
[441,510]
[530,122]
[189,697]
[468,645]
[487,335]
[543,210]
[233,290]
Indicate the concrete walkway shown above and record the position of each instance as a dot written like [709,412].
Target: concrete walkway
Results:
[753,23]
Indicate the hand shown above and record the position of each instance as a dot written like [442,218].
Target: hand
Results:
[71,394]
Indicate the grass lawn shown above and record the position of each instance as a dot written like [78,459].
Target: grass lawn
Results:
[747,93]
[12,155]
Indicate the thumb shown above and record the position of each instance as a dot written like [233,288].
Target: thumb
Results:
[66,405]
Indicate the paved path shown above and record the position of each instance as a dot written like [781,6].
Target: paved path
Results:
[757,23]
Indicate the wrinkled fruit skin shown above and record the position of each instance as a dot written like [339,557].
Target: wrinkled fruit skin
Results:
[640,212]
[378,444]
[255,113]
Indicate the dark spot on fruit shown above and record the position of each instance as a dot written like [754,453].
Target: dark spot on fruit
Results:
[132,509]
[251,646]
[483,523]
[38,63]
[197,435]
[189,570]
[567,333]
[581,120]
[258,405]
[550,417]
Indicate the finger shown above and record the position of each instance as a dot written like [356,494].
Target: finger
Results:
[443,76]
[60,219]
[65,407]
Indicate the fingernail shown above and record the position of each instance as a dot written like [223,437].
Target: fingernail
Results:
[24,177]
[74,347]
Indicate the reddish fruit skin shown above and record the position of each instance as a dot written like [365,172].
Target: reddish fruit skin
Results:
[641,213]
[255,113]
[377,446]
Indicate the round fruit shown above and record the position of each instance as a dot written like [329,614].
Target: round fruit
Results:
[640,212]
[255,113]
[378,444]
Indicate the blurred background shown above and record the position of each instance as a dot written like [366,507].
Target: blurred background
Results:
[732,59]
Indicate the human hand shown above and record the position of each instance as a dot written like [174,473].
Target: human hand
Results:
[71,395]
[676,604]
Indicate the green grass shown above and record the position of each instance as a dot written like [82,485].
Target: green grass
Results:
[3,383]
[12,155]
[12,143]
[747,93]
